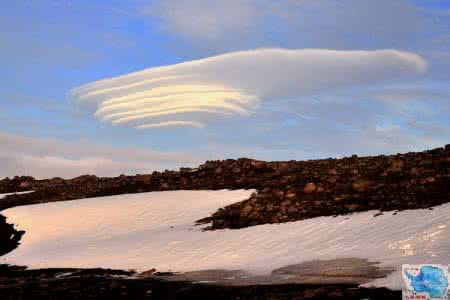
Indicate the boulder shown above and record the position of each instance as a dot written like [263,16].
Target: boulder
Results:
[245,211]
[396,165]
[292,210]
[290,195]
[309,188]
[361,185]
[352,207]
[332,172]
[332,179]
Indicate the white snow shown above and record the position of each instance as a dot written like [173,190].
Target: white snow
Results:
[156,230]
[18,193]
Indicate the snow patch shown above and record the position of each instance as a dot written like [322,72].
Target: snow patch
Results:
[157,230]
[16,193]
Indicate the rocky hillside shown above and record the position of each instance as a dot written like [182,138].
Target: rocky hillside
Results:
[286,191]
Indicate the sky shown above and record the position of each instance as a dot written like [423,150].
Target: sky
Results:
[112,87]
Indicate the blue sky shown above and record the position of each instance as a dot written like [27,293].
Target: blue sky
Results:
[50,48]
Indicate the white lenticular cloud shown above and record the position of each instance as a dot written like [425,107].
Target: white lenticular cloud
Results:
[193,92]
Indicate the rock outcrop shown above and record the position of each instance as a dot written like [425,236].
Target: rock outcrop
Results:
[285,191]
[9,236]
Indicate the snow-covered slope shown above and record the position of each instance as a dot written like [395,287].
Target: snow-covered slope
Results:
[156,230]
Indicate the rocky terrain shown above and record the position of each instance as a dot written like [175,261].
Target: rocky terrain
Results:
[20,283]
[286,191]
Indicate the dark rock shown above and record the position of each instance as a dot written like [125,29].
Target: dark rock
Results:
[9,236]
[332,172]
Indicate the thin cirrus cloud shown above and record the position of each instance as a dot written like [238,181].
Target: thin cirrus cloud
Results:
[195,92]
[46,157]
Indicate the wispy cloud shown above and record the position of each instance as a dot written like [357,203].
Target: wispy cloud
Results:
[202,26]
[44,157]
[204,19]
[191,93]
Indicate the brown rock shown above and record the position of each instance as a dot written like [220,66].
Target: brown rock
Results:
[149,272]
[332,172]
[341,197]
[56,180]
[292,210]
[361,185]
[236,170]
[279,193]
[259,208]
[414,172]
[332,179]
[25,184]
[290,195]
[396,165]
[430,179]
[352,207]
[309,188]
[254,216]
[285,203]
[246,210]
[261,195]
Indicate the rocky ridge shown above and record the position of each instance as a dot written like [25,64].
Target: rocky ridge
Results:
[285,191]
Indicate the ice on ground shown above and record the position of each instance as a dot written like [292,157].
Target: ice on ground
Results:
[157,230]
[18,193]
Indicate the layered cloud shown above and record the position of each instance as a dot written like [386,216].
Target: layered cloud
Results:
[44,158]
[195,92]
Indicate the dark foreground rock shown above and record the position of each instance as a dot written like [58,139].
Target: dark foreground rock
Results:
[19,283]
[9,236]
[286,191]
